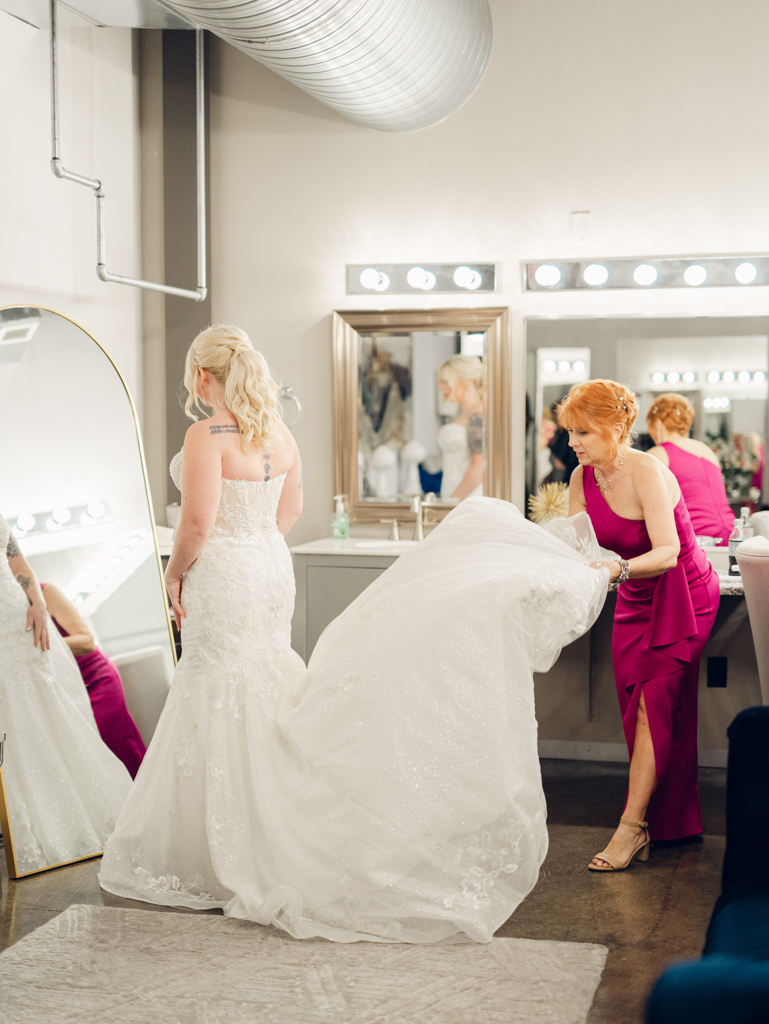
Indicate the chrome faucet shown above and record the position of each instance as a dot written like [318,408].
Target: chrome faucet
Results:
[416,508]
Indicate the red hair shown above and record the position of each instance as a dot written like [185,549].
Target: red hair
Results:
[674,411]
[599,405]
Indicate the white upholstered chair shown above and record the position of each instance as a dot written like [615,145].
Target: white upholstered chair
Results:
[753,562]
[145,682]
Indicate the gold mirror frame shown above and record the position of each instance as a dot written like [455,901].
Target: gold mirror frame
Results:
[348,325]
[5,824]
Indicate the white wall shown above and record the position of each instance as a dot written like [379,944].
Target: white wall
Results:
[650,115]
[48,226]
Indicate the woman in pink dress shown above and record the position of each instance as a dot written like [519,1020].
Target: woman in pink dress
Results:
[667,599]
[693,464]
[102,681]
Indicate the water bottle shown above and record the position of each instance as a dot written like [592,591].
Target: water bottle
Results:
[735,537]
[745,513]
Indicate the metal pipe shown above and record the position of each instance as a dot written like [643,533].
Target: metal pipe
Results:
[199,294]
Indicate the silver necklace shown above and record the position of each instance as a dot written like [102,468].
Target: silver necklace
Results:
[609,485]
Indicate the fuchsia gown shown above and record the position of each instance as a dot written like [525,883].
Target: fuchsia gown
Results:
[661,626]
[703,489]
[113,719]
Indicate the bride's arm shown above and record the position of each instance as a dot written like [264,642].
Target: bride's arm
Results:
[37,618]
[201,494]
[291,497]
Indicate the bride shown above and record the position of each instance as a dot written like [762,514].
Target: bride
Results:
[391,790]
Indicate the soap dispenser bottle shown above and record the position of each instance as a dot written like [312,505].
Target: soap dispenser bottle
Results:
[340,522]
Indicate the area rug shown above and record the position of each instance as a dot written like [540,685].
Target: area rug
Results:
[98,964]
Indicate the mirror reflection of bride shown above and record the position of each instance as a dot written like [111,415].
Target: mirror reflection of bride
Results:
[389,792]
[64,786]
[462,381]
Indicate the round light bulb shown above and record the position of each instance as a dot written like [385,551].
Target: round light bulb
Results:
[418,277]
[688,376]
[658,377]
[466,277]
[549,366]
[25,522]
[695,275]
[708,403]
[728,376]
[61,515]
[547,275]
[564,366]
[369,278]
[714,376]
[645,274]
[759,375]
[384,283]
[578,366]
[743,376]
[95,509]
[595,274]
[673,377]
[746,273]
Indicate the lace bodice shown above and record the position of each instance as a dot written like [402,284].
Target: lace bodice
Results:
[247,506]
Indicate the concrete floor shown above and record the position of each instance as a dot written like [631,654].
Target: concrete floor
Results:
[647,917]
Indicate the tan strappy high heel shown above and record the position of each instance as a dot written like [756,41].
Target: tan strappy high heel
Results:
[642,853]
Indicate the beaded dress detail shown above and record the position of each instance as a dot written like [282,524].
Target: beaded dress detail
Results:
[391,791]
[64,787]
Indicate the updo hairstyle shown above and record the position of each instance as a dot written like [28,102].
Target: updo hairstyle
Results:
[250,393]
[470,368]
[599,405]
[675,412]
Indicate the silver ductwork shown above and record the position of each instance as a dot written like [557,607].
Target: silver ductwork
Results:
[393,65]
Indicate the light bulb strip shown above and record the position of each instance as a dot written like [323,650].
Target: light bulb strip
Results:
[711,377]
[415,278]
[646,273]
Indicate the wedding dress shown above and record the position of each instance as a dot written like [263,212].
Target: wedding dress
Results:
[457,459]
[391,791]
[63,786]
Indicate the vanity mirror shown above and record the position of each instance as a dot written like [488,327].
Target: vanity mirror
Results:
[421,408]
[719,363]
[73,490]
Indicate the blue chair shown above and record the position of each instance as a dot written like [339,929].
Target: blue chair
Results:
[730,984]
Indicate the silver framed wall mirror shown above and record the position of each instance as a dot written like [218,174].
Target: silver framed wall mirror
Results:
[74,492]
[719,363]
[421,409]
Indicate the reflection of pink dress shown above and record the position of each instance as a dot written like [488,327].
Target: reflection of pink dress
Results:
[105,690]
[661,626]
[704,492]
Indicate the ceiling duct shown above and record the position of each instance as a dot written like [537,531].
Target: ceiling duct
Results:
[393,65]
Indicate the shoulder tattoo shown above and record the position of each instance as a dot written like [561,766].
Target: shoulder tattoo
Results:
[266,458]
[224,428]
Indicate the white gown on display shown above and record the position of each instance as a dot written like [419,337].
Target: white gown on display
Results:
[453,443]
[64,787]
[391,791]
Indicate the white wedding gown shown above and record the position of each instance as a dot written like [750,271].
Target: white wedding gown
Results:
[63,786]
[391,791]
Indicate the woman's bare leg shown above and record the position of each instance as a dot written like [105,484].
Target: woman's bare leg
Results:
[643,782]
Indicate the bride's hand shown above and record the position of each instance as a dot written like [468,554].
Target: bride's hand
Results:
[37,619]
[174,588]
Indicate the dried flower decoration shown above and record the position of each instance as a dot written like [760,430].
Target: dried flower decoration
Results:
[550,502]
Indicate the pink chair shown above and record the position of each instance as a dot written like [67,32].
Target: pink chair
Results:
[753,561]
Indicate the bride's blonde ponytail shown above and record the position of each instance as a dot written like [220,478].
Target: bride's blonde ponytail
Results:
[250,393]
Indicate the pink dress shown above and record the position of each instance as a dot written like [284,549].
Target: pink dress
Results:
[113,719]
[661,626]
[704,492]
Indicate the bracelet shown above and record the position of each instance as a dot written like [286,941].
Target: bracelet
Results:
[624,571]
